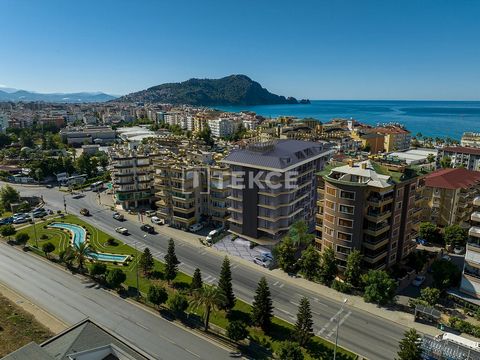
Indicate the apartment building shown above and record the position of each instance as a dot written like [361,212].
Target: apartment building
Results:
[470,139]
[470,283]
[449,194]
[368,207]
[132,175]
[223,127]
[371,141]
[273,186]
[191,188]
[461,156]
[396,138]
[3,123]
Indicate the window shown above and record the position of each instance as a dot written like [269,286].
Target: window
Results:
[399,205]
[346,209]
[328,231]
[398,192]
[329,218]
[344,236]
[343,249]
[330,204]
[394,245]
[347,195]
[395,232]
[345,222]
[393,257]
[331,191]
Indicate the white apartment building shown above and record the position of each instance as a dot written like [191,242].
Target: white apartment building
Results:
[3,123]
[470,283]
[175,118]
[223,127]
[470,139]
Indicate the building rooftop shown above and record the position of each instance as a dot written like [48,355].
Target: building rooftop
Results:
[362,172]
[462,149]
[280,155]
[457,178]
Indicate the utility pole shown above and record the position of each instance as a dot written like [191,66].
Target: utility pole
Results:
[338,325]
[136,269]
[64,205]
[34,230]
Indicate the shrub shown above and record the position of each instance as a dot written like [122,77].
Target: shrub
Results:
[111,241]
[178,303]
[115,277]
[22,238]
[342,286]
[44,237]
[98,269]
[237,330]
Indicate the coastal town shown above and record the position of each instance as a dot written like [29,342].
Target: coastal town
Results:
[337,209]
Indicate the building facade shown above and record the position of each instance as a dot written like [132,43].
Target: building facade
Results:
[273,186]
[470,139]
[462,156]
[470,283]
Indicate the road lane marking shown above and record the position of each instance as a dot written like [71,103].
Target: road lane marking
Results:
[281,286]
[275,283]
[142,326]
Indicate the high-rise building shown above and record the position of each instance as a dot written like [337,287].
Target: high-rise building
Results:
[366,206]
[273,186]
[470,283]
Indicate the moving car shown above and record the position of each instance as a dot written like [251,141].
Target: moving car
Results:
[147,228]
[262,261]
[118,216]
[150,213]
[195,227]
[84,212]
[418,280]
[157,220]
[121,230]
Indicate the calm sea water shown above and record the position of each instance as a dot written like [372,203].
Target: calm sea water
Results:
[431,118]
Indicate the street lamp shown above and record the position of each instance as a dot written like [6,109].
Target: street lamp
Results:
[338,325]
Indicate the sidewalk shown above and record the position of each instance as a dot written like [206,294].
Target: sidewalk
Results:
[402,318]
[52,323]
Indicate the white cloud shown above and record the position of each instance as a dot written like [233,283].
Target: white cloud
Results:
[1,85]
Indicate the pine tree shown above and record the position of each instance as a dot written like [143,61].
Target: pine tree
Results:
[409,346]
[225,285]
[171,262]
[262,310]
[304,324]
[197,281]
[353,268]
[146,262]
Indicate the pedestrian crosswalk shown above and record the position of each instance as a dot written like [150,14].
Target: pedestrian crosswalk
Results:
[331,325]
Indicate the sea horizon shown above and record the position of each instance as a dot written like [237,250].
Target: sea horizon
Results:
[434,118]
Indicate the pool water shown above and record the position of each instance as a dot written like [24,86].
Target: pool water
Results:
[79,235]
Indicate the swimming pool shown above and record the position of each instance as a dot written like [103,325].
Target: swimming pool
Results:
[79,235]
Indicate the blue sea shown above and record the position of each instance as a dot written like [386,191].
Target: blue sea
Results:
[431,118]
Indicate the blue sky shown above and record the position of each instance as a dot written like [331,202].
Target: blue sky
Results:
[427,49]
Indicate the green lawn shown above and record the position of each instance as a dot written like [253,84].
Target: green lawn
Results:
[281,330]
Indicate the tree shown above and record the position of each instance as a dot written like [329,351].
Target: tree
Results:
[353,268]
[206,136]
[304,325]
[8,196]
[171,262]
[67,256]
[225,285]
[115,277]
[445,274]
[455,235]
[178,303]
[431,158]
[157,295]
[22,238]
[262,307]
[98,269]
[410,346]
[289,350]
[7,230]
[285,254]
[237,330]
[48,248]
[379,287]
[328,266]
[446,162]
[309,263]
[197,282]
[210,298]
[428,232]
[81,252]
[430,295]
[146,261]
[299,233]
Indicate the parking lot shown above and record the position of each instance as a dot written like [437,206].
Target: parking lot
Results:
[240,247]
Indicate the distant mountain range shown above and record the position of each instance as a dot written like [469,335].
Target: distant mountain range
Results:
[8,94]
[230,90]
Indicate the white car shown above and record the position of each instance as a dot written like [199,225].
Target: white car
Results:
[418,280]
[263,262]
[195,227]
[157,220]
[121,230]
[20,220]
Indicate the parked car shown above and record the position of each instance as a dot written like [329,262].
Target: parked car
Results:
[7,220]
[39,214]
[118,216]
[459,250]
[157,220]
[84,212]
[150,213]
[20,220]
[235,354]
[419,279]
[262,261]
[121,230]
[147,228]
[195,227]
[49,186]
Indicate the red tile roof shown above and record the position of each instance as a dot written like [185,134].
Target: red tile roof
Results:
[462,149]
[458,178]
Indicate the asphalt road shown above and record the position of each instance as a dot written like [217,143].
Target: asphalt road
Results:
[71,299]
[362,332]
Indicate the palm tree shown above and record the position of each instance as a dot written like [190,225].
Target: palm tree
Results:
[80,253]
[67,256]
[209,297]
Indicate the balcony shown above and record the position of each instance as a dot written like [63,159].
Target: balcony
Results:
[376,258]
[378,216]
[377,245]
[476,201]
[474,231]
[380,200]
[377,230]
[475,216]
